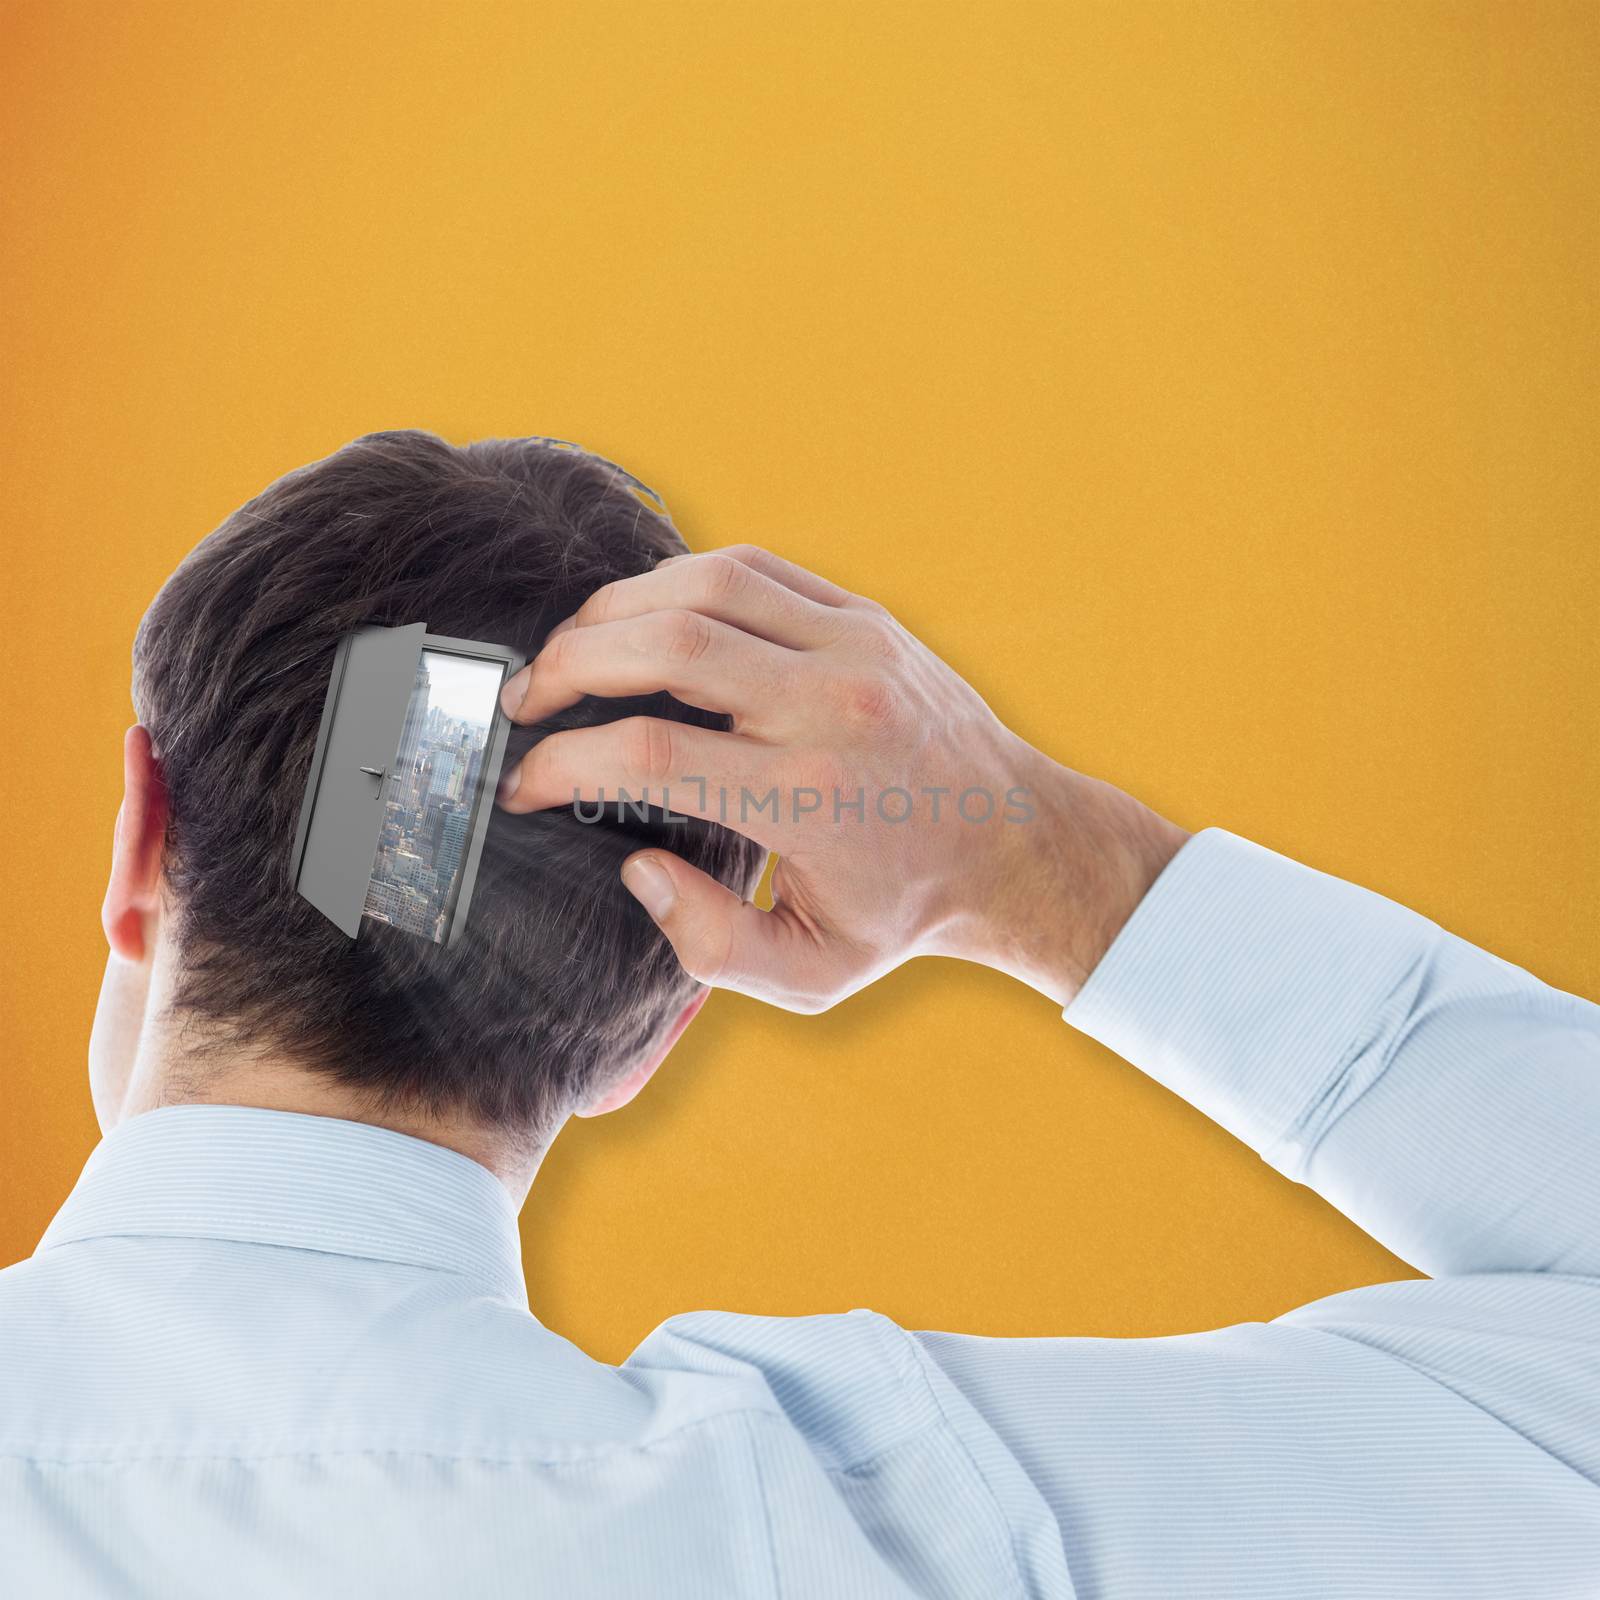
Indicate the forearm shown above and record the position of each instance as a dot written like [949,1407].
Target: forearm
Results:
[1444,1100]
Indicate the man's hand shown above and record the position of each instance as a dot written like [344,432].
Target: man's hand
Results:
[907,820]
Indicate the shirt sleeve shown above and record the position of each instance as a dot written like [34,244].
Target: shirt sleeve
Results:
[1443,1099]
[1436,1436]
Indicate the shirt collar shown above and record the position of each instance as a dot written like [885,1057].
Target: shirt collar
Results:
[303,1182]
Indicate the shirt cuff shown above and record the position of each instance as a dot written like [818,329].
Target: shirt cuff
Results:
[1253,986]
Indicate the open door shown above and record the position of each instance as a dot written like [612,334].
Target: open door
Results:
[342,813]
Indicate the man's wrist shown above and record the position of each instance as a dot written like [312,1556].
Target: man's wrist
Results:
[1052,894]
[1123,848]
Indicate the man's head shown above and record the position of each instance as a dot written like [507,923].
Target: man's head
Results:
[560,985]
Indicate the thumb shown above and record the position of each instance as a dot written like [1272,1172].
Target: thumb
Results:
[727,942]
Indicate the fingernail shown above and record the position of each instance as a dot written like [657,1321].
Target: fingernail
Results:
[651,885]
[510,782]
[516,688]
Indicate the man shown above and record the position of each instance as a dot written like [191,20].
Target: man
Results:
[277,1342]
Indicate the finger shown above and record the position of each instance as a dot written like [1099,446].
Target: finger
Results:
[727,942]
[702,662]
[787,573]
[717,586]
[694,772]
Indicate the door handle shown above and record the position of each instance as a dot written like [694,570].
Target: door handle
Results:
[377,772]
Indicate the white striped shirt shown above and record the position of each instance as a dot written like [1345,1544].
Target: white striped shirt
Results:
[263,1354]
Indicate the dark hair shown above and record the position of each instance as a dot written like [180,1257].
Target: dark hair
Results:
[559,981]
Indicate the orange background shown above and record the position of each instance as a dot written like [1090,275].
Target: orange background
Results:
[1212,384]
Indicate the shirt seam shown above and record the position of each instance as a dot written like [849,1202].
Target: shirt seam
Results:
[315,1452]
[754,1451]
[907,1344]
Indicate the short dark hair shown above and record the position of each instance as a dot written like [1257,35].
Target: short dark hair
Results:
[560,981]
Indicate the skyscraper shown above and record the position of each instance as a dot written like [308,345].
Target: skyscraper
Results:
[448,857]
[411,734]
[444,767]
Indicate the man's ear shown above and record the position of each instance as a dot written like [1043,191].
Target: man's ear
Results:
[620,1094]
[132,904]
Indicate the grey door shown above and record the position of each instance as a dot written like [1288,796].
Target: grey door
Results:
[360,735]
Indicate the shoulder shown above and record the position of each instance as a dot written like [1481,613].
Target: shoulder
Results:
[852,1382]
[903,1449]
